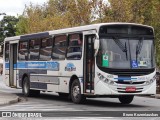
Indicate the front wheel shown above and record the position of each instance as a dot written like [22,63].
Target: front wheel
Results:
[126,99]
[76,95]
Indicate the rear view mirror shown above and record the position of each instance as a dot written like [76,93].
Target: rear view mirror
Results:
[96,45]
[96,42]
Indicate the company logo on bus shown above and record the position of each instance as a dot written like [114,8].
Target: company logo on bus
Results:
[70,67]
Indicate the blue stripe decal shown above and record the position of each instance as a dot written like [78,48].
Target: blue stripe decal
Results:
[125,78]
[39,65]
[7,65]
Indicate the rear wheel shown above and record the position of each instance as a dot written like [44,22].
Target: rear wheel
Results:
[76,95]
[26,88]
[126,99]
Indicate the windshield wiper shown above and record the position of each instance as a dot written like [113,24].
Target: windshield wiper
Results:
[121,46]
[139,47]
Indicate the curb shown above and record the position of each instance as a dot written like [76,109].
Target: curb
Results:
[14,100]
[11,101]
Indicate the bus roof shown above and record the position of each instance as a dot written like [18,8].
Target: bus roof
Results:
[90,27]
[69,30]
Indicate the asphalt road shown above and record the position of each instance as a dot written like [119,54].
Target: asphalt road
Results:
[47,102]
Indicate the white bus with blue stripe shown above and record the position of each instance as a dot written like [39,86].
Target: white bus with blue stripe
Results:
[100,60]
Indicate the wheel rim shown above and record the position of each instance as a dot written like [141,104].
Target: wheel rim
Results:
[76,92]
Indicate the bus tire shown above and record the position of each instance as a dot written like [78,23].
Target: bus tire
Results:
[76,95]
[27,92]
[126,99]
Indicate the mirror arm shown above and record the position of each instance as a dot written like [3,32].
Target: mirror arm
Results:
[97,36]
[96,51]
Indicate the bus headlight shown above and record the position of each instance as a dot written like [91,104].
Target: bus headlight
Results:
[104,79]
[148,82]
[100,76]
[111,82]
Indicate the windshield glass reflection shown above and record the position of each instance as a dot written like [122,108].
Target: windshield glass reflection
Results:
[127,53]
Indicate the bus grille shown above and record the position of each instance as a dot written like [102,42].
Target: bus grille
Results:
[126,82]
[129,92]
[125,73]
[131,72]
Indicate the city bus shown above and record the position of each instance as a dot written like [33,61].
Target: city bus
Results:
[115,60]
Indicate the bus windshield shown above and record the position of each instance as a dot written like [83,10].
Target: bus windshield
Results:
[126,52]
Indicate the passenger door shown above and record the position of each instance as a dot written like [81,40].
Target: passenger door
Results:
[89,63]
[13,64]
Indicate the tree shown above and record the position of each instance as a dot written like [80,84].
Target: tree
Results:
[53,15]
[8,27]
[58,14]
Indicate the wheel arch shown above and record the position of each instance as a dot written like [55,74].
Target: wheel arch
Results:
[24,75]
[73,77]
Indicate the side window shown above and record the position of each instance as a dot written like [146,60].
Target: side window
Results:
[59,49]
[46,49]
[7,52]
[75,47]
[23,51]
[34,46]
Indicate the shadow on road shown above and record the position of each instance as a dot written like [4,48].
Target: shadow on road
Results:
[110,104]
[89,102]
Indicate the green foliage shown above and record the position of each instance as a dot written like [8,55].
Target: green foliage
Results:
[8,27]
[53,15]
[22,26]
[58,14]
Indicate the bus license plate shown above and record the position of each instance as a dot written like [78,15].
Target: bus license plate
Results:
[130,89]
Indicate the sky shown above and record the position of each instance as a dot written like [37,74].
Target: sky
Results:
[16,7]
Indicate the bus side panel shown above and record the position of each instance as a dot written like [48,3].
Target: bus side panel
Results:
[64,77]
[69,68]
[20,78]
[64,84]
[52,87]
[48,82]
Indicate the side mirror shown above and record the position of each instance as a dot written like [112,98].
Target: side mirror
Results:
[96,45]
[96,42]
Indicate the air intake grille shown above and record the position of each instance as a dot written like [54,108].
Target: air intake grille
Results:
[124,82]
[127,72]
[130,73]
